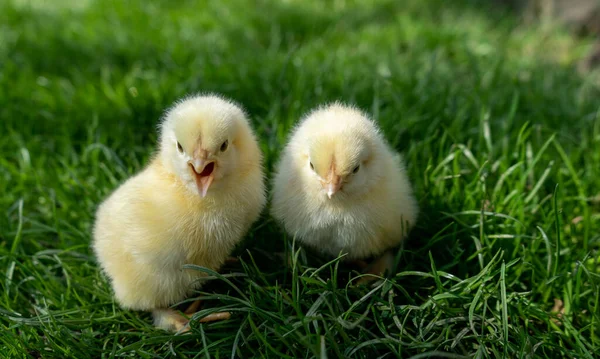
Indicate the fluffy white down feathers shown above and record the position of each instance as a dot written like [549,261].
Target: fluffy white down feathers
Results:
[339,187]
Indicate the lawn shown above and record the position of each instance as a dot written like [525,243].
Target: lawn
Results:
[500,133]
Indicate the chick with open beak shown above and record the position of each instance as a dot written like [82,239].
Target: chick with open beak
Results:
[208,149]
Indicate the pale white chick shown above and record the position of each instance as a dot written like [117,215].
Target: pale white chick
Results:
[191,205]
[340,189]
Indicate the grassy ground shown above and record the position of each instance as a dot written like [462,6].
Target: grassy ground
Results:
[501,136]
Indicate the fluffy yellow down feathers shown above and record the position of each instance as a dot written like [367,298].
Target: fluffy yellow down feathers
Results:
[338,188]
[191,205]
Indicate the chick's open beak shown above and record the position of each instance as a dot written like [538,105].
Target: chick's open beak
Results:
[333,185]
[203,173]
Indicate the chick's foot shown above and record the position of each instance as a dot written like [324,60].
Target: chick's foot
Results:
[170,320]
[215,317]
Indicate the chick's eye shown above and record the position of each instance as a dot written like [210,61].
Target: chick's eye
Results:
[311,166]
[179,147]
[356,169]
[224,146]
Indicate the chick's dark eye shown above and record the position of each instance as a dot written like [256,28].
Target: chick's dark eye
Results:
[311,166]
[179,147]
[224,146]
[356,169]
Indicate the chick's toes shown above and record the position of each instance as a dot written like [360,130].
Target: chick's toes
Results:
[171,320]
[214,317]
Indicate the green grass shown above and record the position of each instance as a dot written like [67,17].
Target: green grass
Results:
[500,133]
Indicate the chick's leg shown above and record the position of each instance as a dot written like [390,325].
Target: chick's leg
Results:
[383,264]
[193,308]
[359,263]
[232,260]
[378,268]
[213,317]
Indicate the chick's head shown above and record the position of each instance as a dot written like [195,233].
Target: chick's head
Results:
[205,141]
[340,152]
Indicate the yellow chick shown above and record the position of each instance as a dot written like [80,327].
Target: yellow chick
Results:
[191,205]
[340,188]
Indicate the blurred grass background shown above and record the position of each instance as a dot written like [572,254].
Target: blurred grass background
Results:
[499,129]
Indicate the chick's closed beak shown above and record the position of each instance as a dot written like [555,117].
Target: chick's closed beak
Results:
[203,173]
[333,185]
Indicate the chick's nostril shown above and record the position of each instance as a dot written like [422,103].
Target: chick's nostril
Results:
[208,169]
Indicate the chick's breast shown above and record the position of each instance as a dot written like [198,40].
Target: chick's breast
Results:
[360,227]
[151,226]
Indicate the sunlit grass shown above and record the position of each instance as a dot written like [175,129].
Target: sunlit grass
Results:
[500,134]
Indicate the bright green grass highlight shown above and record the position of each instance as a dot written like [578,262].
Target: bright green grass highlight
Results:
[500,133]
